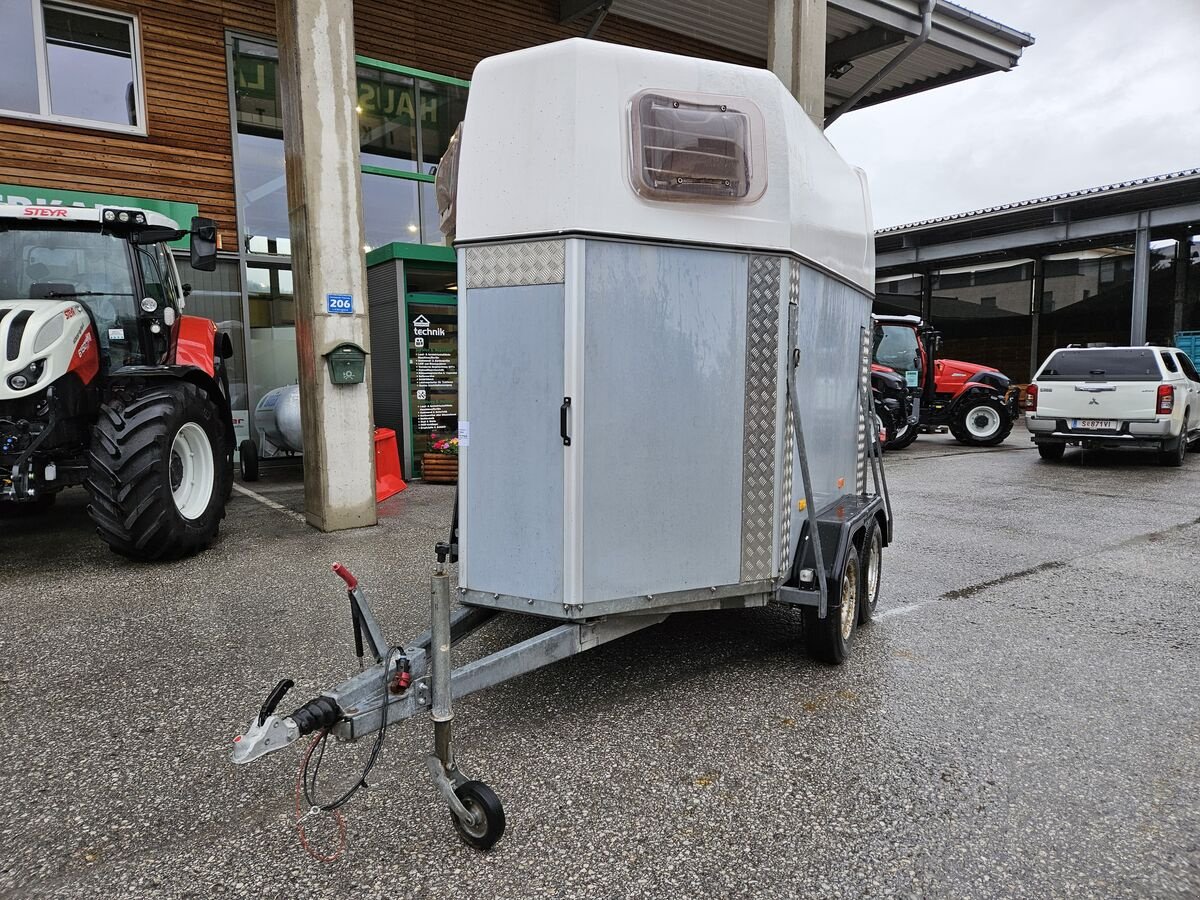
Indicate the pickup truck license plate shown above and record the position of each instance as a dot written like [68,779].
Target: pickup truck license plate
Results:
[1096,424]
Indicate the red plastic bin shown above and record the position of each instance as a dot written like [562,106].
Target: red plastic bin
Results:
[388,481]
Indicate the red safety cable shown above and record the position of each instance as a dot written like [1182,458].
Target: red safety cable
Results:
[302,814]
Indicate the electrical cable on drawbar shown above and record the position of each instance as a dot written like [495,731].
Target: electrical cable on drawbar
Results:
[309,783]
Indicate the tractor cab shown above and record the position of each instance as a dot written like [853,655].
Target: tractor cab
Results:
[111,265]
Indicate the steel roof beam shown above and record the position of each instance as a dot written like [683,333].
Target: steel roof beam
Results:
[1120,225]
[860,44]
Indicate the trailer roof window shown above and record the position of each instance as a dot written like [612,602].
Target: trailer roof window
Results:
[697,147]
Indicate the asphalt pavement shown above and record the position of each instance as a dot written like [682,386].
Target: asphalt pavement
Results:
[1020,721]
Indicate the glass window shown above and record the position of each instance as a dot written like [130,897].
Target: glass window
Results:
[1188,369]
[1169,361]
[431,217]
[217,295]
[256,87]
[1101,365]
[390,210]
[443,107]
[157,274]
[897,348]
[70,64]
[18,60]
[387,114]
[263,187]
[89,63]
[697,148]
[272,329]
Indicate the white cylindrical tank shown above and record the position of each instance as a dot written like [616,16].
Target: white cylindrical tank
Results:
[277,417]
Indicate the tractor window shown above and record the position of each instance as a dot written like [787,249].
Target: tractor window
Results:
[93,268]
[896,347]
[158,275]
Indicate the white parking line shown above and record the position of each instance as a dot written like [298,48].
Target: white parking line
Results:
[904,610]
[267,501]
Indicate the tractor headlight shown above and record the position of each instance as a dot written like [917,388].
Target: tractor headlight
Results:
[48,334]
[149,304]
[28,376]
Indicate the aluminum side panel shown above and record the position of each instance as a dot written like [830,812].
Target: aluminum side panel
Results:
[511,484]
[831,316]
[663,426]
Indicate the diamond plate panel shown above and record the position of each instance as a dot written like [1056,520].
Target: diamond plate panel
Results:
[512,265]
[864,386]
[758,459]
[789,440]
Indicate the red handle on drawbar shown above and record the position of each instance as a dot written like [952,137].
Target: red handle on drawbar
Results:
[343,573]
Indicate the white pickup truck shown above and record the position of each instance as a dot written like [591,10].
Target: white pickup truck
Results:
[1106,397]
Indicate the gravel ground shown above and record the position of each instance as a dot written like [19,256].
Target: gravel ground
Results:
[1021,721]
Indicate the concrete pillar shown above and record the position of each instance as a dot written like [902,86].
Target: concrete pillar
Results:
[320,127]
[796,51]
[1141,280]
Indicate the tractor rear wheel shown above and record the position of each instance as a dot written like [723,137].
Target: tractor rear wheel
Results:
[158,471]
[981,423]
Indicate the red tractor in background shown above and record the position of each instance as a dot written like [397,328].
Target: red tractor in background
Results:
[104,383]
[915,391]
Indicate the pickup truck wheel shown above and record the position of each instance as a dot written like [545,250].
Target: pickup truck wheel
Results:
[1051,452]
[1173,452]
[981,423]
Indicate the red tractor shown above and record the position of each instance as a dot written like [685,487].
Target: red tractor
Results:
[915,391]
[105,383]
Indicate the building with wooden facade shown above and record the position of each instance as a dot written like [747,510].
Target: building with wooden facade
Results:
[175,106]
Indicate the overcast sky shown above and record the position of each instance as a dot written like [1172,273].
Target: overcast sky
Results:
[1110,91]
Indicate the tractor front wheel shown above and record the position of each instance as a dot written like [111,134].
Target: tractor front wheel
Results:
[158,471]
[981,423]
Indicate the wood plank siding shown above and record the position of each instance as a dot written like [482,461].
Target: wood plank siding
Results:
[187,154]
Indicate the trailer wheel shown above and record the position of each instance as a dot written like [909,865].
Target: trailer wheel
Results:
[248,453]
[1051,452]
[482,801]
[872,568]
[156,472]
[982,423]
[830,639]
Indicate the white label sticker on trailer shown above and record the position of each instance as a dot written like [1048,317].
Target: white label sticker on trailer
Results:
[464,434]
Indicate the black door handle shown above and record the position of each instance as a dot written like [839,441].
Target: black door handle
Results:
[562,421]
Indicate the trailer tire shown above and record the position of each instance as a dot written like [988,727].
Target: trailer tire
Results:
[156,472]
[483,802]
[831,638]
[872,568]
[981,423]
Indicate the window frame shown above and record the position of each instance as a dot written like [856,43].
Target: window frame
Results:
[43,70]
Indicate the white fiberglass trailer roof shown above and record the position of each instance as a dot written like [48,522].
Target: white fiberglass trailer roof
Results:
[557,139]
[29,213]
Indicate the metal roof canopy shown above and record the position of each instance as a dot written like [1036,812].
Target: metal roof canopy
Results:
[1163,205]
[862,37]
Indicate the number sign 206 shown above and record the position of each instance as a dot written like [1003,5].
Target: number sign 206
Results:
[340,304]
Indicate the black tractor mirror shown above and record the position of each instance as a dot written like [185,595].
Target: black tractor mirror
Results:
[204,244]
